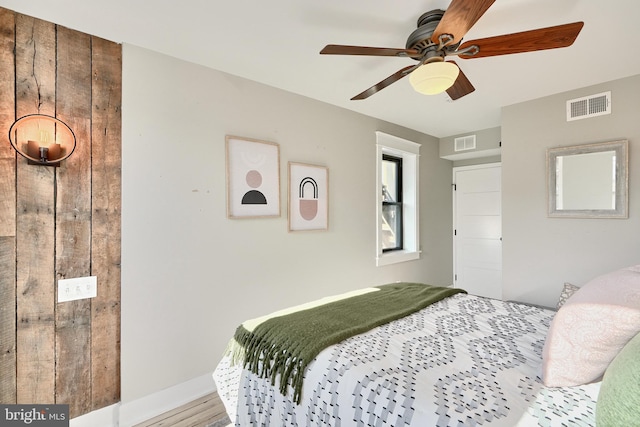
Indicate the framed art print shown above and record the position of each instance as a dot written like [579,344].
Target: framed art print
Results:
[308,197]
[253,178]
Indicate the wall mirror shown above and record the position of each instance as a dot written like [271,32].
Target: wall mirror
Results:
[588,181]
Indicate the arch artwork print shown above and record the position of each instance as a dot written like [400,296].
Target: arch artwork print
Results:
[308,207]
[253,178]
[308,197]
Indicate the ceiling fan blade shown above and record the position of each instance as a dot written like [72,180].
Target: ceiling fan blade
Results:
[461,87]
[526,41]
[386,82]
[337,49]
[460,17]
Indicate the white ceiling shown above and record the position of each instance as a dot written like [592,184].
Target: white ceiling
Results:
[277,42]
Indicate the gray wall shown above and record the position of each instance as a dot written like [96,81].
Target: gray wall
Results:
[189,274]
[541,253]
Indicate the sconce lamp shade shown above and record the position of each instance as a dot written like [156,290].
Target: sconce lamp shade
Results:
[42,140]
[434,77]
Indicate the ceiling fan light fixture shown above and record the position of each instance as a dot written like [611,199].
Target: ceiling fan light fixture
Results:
[434,78]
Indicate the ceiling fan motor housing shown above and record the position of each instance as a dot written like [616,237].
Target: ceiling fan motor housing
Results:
[420,38]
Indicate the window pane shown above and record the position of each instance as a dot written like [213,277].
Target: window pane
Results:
[391,227]
[389,181]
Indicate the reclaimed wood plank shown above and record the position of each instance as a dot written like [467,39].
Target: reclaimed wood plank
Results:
[7,117]
[73,221]
[7,213]
[106,219]
[7,194]
[35,278]
[7,320]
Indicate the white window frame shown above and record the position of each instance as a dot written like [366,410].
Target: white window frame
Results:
[409,152]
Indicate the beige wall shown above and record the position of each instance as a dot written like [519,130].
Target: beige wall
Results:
[189,274]
[541,253]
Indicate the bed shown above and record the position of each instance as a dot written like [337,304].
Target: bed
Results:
[462,360]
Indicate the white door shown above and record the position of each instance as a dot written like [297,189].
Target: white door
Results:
[477,222]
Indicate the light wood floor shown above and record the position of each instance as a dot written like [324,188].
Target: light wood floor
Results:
[203,412]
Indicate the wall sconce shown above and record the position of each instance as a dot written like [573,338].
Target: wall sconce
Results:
[43,140]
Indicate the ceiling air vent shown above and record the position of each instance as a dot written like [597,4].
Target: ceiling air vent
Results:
[589,106]
[464,143]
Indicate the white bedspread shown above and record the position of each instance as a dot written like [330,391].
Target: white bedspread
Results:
[463,361]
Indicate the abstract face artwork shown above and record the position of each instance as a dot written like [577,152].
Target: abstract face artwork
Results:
[253,178]
[254,197]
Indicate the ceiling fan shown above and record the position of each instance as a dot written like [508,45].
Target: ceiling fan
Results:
[439,34]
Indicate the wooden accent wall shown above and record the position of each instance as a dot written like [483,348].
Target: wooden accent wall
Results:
[58,223]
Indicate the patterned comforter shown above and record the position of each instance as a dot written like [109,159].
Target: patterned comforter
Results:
[463,361]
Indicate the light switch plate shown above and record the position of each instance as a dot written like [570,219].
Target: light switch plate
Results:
[77,288]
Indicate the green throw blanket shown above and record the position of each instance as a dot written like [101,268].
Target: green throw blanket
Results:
[283,346]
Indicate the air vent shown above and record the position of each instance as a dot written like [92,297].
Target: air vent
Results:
[464,143]
[589,106]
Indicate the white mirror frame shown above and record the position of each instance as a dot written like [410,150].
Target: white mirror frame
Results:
[621,148]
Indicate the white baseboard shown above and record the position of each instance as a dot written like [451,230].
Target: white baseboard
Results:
[104,417]
[130,413]
[142,409]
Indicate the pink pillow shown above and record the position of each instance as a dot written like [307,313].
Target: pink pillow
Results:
[591,328]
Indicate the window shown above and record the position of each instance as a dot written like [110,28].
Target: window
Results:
[397,200]
[391,203]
